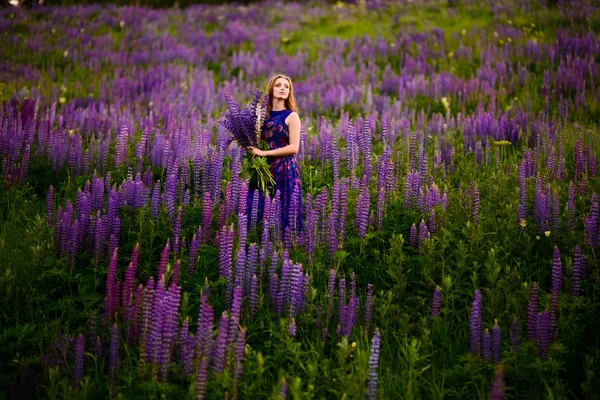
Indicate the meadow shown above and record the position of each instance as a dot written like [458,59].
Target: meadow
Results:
[449,203]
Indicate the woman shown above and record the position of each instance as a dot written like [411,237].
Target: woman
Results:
[281,132]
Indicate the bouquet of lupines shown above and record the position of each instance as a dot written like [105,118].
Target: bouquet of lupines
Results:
[245,124]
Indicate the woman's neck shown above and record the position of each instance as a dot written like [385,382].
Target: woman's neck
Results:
[278,105]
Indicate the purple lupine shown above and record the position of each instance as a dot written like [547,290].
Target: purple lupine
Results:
[373,364]
[113,363]
[497,388]
[532,313]
[238,357]
[475,209]
[283,390]
[226,237]
[164,259]
[221,341]
[571,205]
[591,223]
[177,231]
[111,291]
[201,377]
[234,318]
[273,289]
[253,295]
[578,267]
[413,235]
[544,328]
[431,221]
[475,324]
[146,324]
[486,346]
[341,298]
[556,283]
[193,251]
[49,205]
[207,206]
[292,326]
[496,342]
[78,364]
[555,211]
[155,207]
[153,341]
[514,334]
[169,329]
[331,293]
[176,271]
[205,328]
[368,307]
[435,306]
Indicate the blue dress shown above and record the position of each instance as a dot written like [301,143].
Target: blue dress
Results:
[285,170]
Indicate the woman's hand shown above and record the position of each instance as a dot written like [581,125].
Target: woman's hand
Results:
[257,152]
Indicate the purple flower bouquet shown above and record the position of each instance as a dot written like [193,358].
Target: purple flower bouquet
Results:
[245,124]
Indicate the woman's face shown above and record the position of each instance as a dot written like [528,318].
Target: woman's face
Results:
[281,89]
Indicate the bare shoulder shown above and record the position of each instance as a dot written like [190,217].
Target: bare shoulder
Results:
[292,118]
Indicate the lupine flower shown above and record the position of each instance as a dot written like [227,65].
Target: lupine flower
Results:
[475,324]
[221,341]
[78,364]
[113,363]
[532,313]
[413,235]
[435,306]
[283,390]
[496,341]
[368,307]
[238,356]
[497,389]
[201,377]
[486,346]
[49,205]
[544,328]
[578,267]
[556,283]
[373,364]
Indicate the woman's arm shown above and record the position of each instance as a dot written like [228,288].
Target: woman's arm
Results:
[292,148]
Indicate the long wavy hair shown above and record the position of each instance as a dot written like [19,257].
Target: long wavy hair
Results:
[290,102]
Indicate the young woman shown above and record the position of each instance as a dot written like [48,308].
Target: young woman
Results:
[281,131]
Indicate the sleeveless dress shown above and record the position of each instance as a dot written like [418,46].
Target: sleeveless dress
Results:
[285,170]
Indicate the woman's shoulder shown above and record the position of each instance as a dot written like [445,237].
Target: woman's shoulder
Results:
[291,115]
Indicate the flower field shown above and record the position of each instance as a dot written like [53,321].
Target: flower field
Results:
[449,207]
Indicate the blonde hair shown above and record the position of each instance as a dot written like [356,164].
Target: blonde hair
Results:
[289,103]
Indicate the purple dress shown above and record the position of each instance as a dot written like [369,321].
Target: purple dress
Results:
[285,170]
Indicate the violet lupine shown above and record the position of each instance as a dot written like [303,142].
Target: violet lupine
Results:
[169,329]
[331,293]
[183,341]
[486,346]
[368,307]
[496,342]
[164,259]
[205,328]
[373,364]
[146,323]
[193,251]
[240,266]
[207,206]
[177,231]
[435,306]
[571,205]
[176,271]
[556,284]
[514,334]
[251,264]
[475,209]
[532,313]
[273,289]
[497,388]
[218,357]
[238,357]
[544,328]
[341,299]
[578,267]
[156,198]
[112,296]
[292,326]
[113,362]
[253,295]
[49,205]
[413,235]
[201,377]
[78,364]
[475,324]
[154,339]
[234,317]
[591,223]
[226,237]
